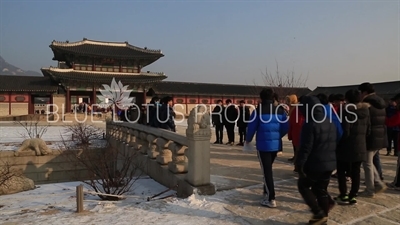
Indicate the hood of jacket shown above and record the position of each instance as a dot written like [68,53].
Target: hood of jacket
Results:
[361,109]
[375,101]
[292,99]
[312,108]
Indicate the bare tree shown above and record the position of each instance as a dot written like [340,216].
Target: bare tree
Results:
[32,127]
[84,133]
[282,83]
[109,170]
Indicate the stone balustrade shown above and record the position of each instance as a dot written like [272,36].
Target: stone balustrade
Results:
[171,158]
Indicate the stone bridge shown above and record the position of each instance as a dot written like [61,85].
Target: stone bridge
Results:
[177,161]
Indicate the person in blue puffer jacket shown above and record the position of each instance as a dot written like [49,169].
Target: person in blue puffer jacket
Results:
[271,124]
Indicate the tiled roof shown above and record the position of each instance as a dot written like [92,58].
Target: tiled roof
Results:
[104,49]
[27,83]
[385,89]
[189,88]
[101,77]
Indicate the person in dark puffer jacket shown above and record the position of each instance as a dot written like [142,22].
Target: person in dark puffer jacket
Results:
[167,114]
[316,159]
[375,141]
[270,123]
[352,149]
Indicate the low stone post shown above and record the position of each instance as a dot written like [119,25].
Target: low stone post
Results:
[198,134]
[79,198]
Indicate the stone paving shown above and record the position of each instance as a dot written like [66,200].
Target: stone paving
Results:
[233,169]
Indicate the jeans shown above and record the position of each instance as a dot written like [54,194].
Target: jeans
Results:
[371,173]
[242,134]
[352,170]
[230,130]
[378,164]
[219,132]
[315,187]
[266,161]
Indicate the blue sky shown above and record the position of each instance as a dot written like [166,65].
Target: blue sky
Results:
[331,42]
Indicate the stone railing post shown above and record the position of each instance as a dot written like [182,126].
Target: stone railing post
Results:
[198,134]
[165,155]
[152,152]
[132,138]
[138,141]
[179,162]
[144,143]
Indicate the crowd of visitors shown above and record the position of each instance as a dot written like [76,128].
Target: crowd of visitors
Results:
[339,132]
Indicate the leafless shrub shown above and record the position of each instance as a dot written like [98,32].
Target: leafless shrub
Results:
[109,170]
[84,133]
[7,172]
[32,127]
[283,83]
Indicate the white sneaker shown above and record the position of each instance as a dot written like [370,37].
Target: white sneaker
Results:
[269,204]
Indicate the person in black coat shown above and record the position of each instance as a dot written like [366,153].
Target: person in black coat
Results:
[375,141]
[217,121]
[316,159]
[167,115]
[230,117]
[244,117]
[352,148]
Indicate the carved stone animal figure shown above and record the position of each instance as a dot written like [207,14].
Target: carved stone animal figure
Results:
[35,144]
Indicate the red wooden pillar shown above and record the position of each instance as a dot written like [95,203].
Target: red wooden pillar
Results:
[51,103]
[30,107]
[186,105]
[68,102]
[144,96]
[120,66]
[93,101]
[93,65]
[9,103]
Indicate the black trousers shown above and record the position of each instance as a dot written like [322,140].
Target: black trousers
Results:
[392,135]
[266,161]
[242,134]
[219,132]
[314,187]
[351,170]
[230,130]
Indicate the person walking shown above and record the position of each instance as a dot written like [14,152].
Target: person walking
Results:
[217,121]
[375,141]
[392,132]
[292,101]
[316,159]
[296,121]
[352,148]
[395,121]
[230,117]
[269,123]
[244,116]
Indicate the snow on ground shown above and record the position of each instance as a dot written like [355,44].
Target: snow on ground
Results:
[56,204]
[11,138]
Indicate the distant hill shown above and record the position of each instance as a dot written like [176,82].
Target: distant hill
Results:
[8,69]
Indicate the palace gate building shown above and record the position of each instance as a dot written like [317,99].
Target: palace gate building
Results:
[85,66]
